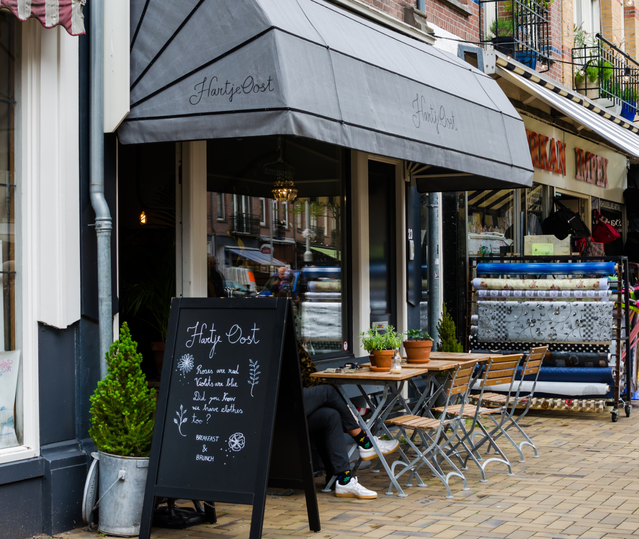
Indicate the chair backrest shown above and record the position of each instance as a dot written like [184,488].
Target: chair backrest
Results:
[533,361]
[503,370]
[459,385]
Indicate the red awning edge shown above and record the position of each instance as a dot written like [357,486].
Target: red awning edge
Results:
[66,13]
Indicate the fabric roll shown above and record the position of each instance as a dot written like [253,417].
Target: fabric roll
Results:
[603,295]
[541,284]
[565,389]
[572,374]
[320,321]
[558,359]
[557,321]
[325,286]
[526,268]
[324,296]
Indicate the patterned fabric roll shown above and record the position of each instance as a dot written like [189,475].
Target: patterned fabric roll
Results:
[527,268]
[557,321]
[544,294]
[541,284]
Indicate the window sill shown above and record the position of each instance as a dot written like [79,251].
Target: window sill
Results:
[18,464]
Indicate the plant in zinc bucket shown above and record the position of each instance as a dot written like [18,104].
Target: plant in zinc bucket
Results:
[123,405]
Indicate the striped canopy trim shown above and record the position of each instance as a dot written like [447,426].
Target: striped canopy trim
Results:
[50,13]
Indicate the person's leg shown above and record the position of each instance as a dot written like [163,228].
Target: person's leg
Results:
[325,396]
[324,426]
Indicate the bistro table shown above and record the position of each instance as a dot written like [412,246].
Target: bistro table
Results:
[391,396]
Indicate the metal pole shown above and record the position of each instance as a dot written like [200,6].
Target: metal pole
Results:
[433,265]
[308,254]
[96,189]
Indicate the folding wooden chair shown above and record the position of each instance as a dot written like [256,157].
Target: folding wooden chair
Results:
[432,444]
[498,370]
[531,367]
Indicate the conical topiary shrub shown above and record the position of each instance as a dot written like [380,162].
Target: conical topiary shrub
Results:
[447,333]
[122,406]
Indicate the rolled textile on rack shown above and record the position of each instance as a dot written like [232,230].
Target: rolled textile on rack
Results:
[559,359]
[544,294]
[531,268]
[567,389]
[602,283]
[320,321]
[557,321]
[573,374]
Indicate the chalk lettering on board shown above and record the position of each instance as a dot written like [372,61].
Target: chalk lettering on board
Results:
[185,365]
[205,458]
[254,375]
[237,442]
[234,335]
[181,419]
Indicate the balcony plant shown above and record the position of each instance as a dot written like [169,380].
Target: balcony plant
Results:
[629,105]
[501,34]
[418,345]
[122,417]
[381,346]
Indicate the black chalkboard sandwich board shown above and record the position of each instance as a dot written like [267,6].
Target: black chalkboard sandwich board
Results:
[230,418]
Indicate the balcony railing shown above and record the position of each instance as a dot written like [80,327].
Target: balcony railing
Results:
[244,223]
[605,73]
[519,29]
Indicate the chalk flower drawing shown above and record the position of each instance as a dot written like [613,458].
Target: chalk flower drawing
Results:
[236,442]
[181,419]
[185,364]
[5,365]
[254,376]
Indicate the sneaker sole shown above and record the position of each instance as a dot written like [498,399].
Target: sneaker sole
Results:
[351,495]
[374,456]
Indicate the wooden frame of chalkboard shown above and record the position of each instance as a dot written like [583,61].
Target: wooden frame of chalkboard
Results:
[224,428]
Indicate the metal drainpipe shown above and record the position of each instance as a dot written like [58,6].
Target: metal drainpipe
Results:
[433,265]
[96,189]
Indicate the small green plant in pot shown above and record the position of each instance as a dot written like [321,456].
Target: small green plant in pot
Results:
[381,346]
[447,333]
[122,418]
[418,345]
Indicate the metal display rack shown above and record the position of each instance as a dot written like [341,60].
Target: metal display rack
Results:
[621,316]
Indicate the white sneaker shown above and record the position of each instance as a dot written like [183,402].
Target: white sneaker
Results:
[353,489]
[385,446]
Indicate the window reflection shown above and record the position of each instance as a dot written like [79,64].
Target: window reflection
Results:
[263,247]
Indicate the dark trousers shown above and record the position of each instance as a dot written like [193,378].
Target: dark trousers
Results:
[328,418]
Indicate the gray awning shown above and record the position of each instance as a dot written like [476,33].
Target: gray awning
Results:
[241,68]
[607,127]
[256,256]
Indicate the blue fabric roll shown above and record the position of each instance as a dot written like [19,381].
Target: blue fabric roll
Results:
[573,374]
[576,268]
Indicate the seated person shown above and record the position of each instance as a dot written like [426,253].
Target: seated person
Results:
[328,419]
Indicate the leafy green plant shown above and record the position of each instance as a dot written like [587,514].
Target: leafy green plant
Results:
[123,405]
[418,335]
[373,340]
[580,76]
[501,28]
[447,334]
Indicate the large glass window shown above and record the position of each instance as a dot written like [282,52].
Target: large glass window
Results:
[10,402]
[289,248]
[491,221]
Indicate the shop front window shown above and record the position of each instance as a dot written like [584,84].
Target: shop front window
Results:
[491,222]
[295,248]
[612,213]
[10,361]
[535,206]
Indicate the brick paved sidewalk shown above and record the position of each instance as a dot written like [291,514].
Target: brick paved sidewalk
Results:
[585,484]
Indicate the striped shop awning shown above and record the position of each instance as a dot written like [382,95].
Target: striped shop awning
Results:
[50,13]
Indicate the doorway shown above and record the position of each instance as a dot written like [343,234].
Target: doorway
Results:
[382,248]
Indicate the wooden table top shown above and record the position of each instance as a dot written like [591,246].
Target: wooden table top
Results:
[442,361]
[367,375]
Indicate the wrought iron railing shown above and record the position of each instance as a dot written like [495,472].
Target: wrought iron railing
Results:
[605,73]
[244,223]
[518,28]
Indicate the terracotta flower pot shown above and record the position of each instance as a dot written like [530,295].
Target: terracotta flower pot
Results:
[418,351]
[382,358]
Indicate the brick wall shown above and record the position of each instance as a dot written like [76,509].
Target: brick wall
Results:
[611,21]
[631,30]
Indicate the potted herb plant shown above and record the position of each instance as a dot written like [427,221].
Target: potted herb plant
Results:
[418,345]
[122,417]
[381,346]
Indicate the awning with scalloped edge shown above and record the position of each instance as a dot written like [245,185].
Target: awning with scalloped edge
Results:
[50,13]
